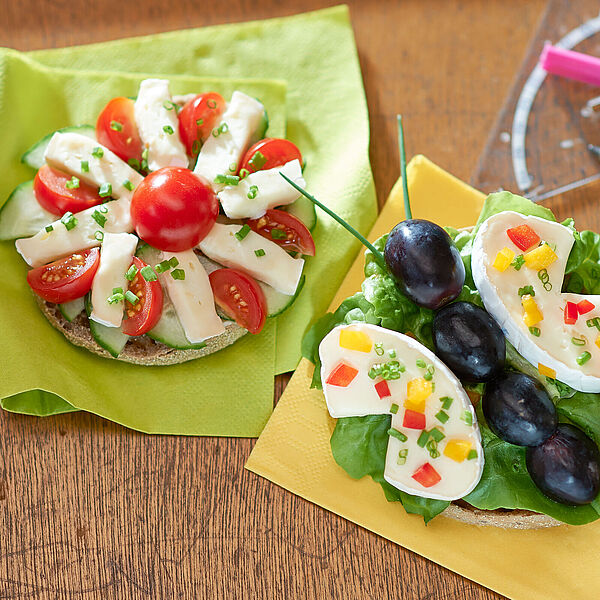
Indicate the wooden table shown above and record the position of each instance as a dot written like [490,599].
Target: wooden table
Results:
[91,510]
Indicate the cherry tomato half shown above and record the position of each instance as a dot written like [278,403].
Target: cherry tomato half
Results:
[65,279]
[56,193]
[143,316]
[173,209]
[285,230]
[240,297]
[116,129]
[277,151]
[197,119]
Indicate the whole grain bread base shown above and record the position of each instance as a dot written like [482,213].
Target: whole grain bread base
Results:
[138,350]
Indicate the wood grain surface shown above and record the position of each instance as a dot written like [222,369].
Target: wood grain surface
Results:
[91,510]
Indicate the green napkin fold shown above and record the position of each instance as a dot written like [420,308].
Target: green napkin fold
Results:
[222,394]
[326,117]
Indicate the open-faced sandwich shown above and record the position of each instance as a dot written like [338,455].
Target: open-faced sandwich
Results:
[165,232]
[465,376]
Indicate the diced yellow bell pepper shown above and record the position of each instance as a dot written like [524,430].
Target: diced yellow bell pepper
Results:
[546,371]
[503,259]
[417,392]
[457,449]
[532,315]
[540,258]
[354,339]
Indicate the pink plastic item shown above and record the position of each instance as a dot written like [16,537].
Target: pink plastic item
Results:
[570,64]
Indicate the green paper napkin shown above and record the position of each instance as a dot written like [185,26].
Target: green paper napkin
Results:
[326,117]
[222,394]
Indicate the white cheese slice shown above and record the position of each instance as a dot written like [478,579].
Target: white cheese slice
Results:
[158,125]
[116,256]
[276,267]
[270,188]
[499,291]
[44,246]
[221,155]
[360,398]
[66,151]
[192,297]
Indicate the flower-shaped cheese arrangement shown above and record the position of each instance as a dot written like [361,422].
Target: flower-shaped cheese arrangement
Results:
[434,447]
[518,267]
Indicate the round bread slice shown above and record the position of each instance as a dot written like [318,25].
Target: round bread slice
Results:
[138,350]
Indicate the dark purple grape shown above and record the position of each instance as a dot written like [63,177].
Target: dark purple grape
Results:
[426,263]
[518,409]
[566,467]
[469,341]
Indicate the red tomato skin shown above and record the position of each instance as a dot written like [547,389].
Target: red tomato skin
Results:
[173,209]
[298,236]
[49,187]
[209,107]
[126,143]
[71,287]
[221,282]
[151,311]
[277,151]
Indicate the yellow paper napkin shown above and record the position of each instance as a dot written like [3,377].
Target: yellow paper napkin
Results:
[294,452]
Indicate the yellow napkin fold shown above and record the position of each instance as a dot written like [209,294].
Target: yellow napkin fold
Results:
[294,452]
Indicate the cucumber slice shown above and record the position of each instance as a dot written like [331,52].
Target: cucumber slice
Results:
[22,215]
[278,302]
[34,156]
[72,309]
[304,210]
[168,330]
[112,339]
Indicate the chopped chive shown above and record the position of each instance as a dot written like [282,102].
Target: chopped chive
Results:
[69,220]
[379,349]
[163,266]
[427,376]
[227,179]
[168,129]
[437,435]
[73,184]
[402,456]
[527,289]
[134,162]
[578,341]
[178,274]
[442,416]
[467,417]
[422,440]
[168,105]
[394,408]
[131,297]
[222,128]
[99,235]
[116,126]
[258,160]
[148,273]
[211,103]
[244,173]
[116,297]
[173,262]
[518,262]
[128,185]
[252,192]
[536,331]
[49,228]
[131,273]
[98,152]
[260,252]
[277,234]
[233,167]
[392,353]
[421,363]
[145,154]
[242,232]
[196,147]
[85,166]
[397,434]
[472,454]
[118,290]
[105,190]
[583,358]
[103,208]
[199,122]
[99,218]
[446,402]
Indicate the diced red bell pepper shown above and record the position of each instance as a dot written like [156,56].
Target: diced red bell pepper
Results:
[383,389]
[523,237]
[342,375]
[426,475]
[571,313]
[413,419]
[584,307]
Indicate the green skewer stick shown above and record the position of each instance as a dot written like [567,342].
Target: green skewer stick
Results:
[407,211]
[378,256]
